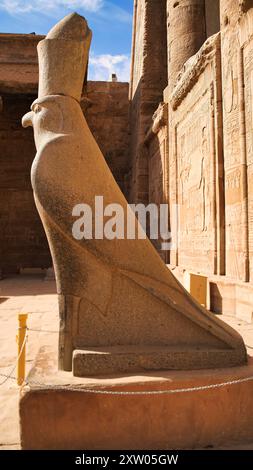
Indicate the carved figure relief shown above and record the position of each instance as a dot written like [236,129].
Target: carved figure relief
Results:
[204,180]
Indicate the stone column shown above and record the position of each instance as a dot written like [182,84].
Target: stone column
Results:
[186,33]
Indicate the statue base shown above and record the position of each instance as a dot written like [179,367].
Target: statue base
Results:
[59,411]
[140,359]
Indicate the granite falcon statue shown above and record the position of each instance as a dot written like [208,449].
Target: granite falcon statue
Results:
[121,309]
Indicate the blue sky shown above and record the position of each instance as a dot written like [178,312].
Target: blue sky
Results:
[110,21]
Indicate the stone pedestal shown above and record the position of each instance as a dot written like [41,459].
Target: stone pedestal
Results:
[71,413]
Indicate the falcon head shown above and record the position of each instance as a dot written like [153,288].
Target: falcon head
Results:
[50,116]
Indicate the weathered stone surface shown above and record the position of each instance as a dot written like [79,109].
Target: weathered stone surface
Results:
[226,247]
[148,79]
[73,413]
[22,239]
[212,17]
[111,292]
[186,33]
[231,297]
[237,69]
[193,69]
[132,359]
[23,242]
[108,118]
[157,148]
[68,59]
[19,63]
[196,163]
[245,5]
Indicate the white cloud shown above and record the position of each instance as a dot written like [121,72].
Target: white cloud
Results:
[102,66]
[48,6]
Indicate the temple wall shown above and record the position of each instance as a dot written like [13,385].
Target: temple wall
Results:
[108,117]
[157,149]
[19,63]
[232,128]
[139,27]
[196,147]
[148,80]
[237,74]
[212,14]
[200,158]
[22,239]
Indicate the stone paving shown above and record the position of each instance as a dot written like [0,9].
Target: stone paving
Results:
[36,296]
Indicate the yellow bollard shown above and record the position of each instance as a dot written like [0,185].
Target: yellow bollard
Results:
[197,285]
[21,340]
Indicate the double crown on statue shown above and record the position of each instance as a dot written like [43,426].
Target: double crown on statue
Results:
[63,57]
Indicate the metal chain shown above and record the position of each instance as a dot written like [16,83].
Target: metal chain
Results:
[66,388]
[42,331]
[9,376]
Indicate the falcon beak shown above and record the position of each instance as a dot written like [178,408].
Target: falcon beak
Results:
[27,119]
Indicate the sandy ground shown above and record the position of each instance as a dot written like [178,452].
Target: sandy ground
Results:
[23,294]
[36,296]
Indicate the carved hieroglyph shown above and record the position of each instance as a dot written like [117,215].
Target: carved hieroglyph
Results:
[236,35]
[194,184]
[248,74]
[196,172]
[120,307]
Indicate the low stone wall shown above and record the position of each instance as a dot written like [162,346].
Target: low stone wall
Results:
[225,295]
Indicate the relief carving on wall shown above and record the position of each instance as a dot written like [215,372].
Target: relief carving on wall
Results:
[193,68]
[204,181]
[228,92]
[194,171]
[185,167]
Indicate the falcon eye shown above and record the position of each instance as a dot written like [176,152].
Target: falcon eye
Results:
[37,109]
